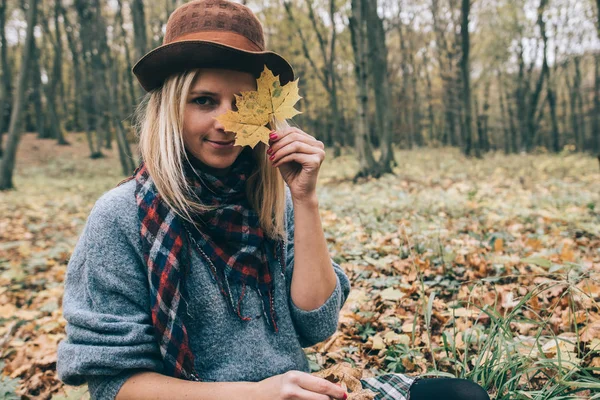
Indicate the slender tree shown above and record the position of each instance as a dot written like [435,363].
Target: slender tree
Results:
[596,118]
[465,74]
[327,74]
[7,164]
[5,83]
[358,31]
[123,36]
[140,33]
[550,96]
[433,134]
[79,83]
[55,80]
[377,50]
[446,46]
[93,106]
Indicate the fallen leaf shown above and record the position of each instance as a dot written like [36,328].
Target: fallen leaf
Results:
[391,294]
[377,342]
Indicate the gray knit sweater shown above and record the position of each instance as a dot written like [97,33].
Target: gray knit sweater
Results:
[107,307]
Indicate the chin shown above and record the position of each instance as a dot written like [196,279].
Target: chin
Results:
[221,162]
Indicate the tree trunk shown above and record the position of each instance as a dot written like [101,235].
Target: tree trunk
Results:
[448,75]
[580,114]
[503,116]
[484,138]
[80,82]
[549,83]
[37,87]
[5,85]
[100,69]
[58,76]
[416,102]
[596,117]
[531,117]
[358,34]
[131,103]
[521,100]
[466,80]
[90,102]
[514,134]
[381,85]
[430,115]
[403,116]
[7,164]
[327,75]
[140,35]
[55,79]
[125,155]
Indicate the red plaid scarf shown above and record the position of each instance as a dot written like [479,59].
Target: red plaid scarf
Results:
[229,239]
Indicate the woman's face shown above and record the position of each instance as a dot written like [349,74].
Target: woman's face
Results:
[212,94]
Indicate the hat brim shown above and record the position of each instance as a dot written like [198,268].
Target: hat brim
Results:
[153,68]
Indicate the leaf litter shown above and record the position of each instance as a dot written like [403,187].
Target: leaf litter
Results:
[437,255]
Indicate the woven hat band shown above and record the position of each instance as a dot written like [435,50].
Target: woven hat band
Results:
[223,37]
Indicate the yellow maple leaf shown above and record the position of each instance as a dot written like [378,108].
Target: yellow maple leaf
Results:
[270,103]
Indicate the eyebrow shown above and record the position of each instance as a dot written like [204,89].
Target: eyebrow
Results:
[203,93]
[208,93]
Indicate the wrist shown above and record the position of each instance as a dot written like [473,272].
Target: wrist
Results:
[309,201]
[254,391]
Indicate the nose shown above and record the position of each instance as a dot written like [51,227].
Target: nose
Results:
[223,110]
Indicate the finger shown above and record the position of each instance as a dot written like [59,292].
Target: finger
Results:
[280,136]
[293,129]
[321,386]
[294,147]
[308,395]
[292,138]
[307,160]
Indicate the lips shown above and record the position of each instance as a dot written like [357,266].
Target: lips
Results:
[221,142]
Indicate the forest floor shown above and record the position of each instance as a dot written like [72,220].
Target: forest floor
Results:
[485,269]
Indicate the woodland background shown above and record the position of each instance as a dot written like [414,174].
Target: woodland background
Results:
[460,190]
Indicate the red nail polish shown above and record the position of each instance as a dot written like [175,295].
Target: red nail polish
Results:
[272,157]
[345,396]
[273,136]
[269,151]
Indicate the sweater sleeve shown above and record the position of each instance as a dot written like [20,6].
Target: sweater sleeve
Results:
[106,304]
[313,326]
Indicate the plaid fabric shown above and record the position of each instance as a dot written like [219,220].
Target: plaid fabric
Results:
[390,386]
[230,238]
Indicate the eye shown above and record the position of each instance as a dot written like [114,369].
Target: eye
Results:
[203,101]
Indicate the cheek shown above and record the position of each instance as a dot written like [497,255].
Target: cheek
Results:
[195,125]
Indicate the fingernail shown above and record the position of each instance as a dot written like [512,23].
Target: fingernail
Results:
[272,157]
[273,136]
[269,151]
[345,396]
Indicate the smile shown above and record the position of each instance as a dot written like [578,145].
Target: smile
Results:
[219,144]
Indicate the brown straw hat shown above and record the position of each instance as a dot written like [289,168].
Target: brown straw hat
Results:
[210,34]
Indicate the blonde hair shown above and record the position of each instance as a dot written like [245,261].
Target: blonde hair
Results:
[159,124]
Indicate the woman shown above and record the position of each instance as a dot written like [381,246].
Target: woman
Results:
[205,274]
